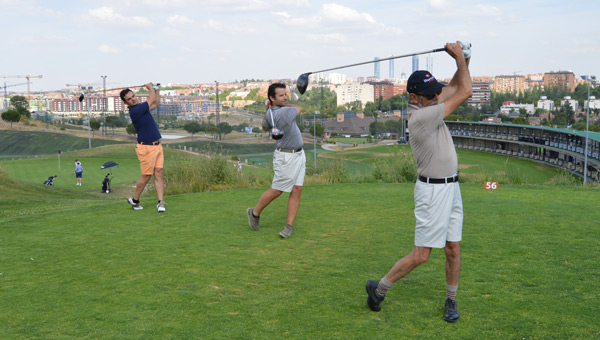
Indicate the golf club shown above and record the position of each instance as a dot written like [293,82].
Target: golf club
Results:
[302,82]
[155,86]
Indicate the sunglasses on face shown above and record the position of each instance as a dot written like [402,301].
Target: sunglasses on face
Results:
[430,96]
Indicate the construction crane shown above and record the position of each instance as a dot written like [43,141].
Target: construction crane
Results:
[11,85]
[6,94]
[28,82]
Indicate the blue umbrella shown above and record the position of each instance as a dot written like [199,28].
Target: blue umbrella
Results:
[108,165]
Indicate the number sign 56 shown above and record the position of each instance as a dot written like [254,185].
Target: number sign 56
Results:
[490,185]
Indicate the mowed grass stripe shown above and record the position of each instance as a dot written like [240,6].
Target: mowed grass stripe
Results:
[530,258]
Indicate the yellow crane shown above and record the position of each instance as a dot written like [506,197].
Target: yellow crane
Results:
[28,82]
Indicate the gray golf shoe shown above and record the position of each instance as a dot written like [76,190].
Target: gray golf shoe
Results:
[252,221]
[287,231]
[134,206]
[160,207]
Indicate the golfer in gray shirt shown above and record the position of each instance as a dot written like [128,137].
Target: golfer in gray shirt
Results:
[289,161]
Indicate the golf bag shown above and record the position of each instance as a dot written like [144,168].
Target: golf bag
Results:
[50,181]
[106,184]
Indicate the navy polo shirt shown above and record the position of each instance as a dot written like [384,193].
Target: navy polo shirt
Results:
[145,126]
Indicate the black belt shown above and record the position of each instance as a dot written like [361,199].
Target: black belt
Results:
[153,143]
[439,180]
[289,150]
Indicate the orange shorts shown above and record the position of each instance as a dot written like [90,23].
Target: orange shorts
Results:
[151,157]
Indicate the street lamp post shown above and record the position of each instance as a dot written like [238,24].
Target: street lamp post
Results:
[217,107]
[104,102]
[587,130]
[315,137]
[88,103]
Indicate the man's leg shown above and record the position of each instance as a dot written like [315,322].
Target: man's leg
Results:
[293,204]
[140,185]
[405,265]
[159,183]
[265,199]
[452,251]
[376,291]
[452,263]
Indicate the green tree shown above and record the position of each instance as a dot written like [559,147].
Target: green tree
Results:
[111,121]
[319,130]
[94,125]
[380,128]
[20,104]
[224,128]
[370,109]
[11,116]
[192,127]
[131,129]
[521,121]
[453,118]
[213,130]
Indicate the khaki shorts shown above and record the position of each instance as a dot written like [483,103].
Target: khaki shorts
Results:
[151,157]
[289,170]
[439,214]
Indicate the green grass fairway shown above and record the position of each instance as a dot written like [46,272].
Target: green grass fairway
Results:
[37,170]
[471,163]
[80,266]
[28,143]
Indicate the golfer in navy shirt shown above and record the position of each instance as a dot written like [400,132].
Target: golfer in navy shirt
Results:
[148,148]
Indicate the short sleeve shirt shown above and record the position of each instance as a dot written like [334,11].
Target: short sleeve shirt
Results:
[285,120]
[144,124]
[431,141]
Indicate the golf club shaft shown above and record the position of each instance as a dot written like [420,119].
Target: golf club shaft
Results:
[384,59]
[122,87]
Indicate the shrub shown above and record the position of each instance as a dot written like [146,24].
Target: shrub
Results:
[400,168]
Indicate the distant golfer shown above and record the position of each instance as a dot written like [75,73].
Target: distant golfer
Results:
[289,161]
[438,202]
[78,172]
[148,149]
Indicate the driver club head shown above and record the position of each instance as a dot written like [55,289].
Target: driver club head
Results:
[81,97]
[302,82]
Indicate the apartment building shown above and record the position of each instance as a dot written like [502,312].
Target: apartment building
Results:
[348,93]
[508,83]
[564,79]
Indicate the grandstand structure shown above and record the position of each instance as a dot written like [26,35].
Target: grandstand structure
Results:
[563,148]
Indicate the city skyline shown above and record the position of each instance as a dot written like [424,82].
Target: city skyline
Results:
[181,41]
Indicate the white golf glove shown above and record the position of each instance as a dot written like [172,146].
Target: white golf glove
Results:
[466,47]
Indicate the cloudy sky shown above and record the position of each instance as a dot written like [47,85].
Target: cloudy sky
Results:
[200,41]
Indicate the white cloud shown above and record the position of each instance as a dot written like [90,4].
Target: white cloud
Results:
[218,26]
[143,46]
[328,38]
[28,8]
[438,4]
[338,17]
[287,19]
[107,49]
[341,13]
[107,15]
[49,39]
[179,20]
[487,11]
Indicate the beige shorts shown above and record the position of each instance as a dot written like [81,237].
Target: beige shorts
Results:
[150,156]
[439,214]
[289,170]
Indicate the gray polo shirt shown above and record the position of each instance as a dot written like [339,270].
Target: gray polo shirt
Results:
[431,141]
[285,120]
